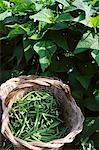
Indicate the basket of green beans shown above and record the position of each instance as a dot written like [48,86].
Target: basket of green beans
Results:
[39,113]
[35,117]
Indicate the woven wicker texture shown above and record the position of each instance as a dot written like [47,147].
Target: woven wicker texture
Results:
[70,112]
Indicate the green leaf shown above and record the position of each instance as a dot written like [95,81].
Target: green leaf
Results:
[84,44]
[23,5]
[58,65]
[5,75]
[18,29]
[84,80]
[36,36]
[5,15]
[45,50]
[15,32]
[87,42]
[95,44]
[19,53]
[94,21]
[97,95]
[59,26]
[64,17]
[95,55]
[74,82]
[82,5]
[4,5]
[44,15]
[91,124]
[28,50]
[59,38]
[21,1]
[89,11]
[87,68]
[70,8]
[80,19]
[91,103]
[64,2]
[25,27]
[38,6]
[77,94]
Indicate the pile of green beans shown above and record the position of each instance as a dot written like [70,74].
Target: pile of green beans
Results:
[36,117]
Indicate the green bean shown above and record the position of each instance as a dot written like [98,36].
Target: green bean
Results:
[35,138]
[22,127]
[27,135]
[36,121]
[17,133]
[11,127]
[17,116]
[32,131]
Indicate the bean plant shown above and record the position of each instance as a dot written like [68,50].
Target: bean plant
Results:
[55,38]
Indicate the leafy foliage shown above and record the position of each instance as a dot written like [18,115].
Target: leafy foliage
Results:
[55,38]
[45,50]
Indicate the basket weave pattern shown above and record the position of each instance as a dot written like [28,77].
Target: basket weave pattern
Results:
[70,112]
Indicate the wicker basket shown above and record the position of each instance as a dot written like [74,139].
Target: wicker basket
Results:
[70,112]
